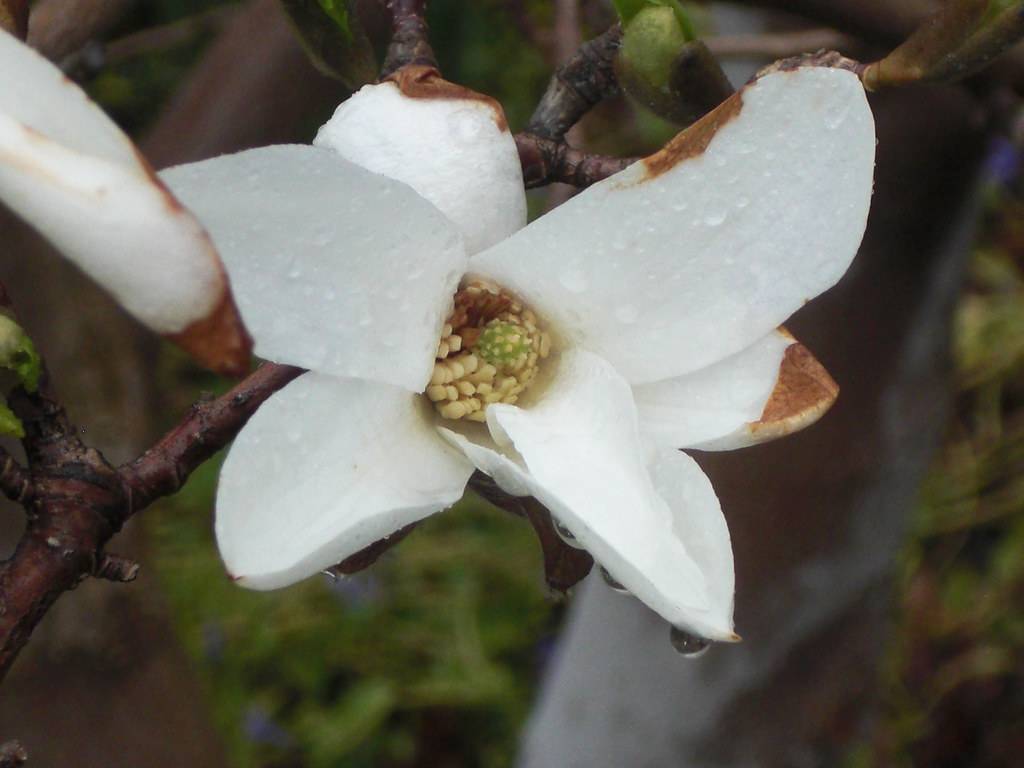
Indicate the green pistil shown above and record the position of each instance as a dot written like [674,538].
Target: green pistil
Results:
[503,344]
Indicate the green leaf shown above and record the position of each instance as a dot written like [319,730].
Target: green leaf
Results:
[18,354]
[339,13]
[10,425]
[334,40]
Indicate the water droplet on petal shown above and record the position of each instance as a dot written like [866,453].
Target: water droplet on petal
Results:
[574,278]
[715,213]
[612,583]
[688,644]
[565,534]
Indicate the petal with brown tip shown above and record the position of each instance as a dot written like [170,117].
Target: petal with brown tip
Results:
[767,390]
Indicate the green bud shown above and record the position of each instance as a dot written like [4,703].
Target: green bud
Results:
[650,43]
[662,67]
[10,425]
[18,354]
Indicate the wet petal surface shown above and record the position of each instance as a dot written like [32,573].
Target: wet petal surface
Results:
[326,467]
[334,268]
[700,250]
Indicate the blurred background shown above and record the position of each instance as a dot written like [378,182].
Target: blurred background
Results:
[880,556]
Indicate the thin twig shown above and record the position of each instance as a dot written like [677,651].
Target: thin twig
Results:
[586,79]
[410,38]
[208,427]
[545,161]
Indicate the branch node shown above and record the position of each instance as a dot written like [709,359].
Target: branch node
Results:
[116,568]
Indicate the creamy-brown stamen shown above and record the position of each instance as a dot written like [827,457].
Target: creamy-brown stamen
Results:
[489,352]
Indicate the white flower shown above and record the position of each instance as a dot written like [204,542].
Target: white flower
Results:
[69,171]
[662,289]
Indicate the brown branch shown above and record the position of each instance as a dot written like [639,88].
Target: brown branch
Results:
[545,161]
[410,38]
[208,427]
[586,79]
[80,501]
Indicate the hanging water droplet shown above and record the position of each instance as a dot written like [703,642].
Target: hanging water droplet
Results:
[687,644]
[612,583]
[565,534]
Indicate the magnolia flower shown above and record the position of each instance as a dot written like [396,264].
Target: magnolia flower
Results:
[69,171]
[568,360]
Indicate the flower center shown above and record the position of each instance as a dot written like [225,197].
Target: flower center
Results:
[489,353]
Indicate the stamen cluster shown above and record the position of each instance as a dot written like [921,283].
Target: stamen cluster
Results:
[489,353]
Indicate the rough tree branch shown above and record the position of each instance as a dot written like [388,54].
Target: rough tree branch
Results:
[410,41]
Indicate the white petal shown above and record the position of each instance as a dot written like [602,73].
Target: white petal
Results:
[698,251]
[117,223]
[334,268]
[326,467]
[697,520]
[587,464]
[768,391]
[35,93]
[715,402]
[507,469]
[451,145]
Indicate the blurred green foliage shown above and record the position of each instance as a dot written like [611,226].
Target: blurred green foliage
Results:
[954,683]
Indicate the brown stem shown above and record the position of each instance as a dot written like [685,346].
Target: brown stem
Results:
[586,79]
[79,501]
[546,161]
[410,37]
[208,427]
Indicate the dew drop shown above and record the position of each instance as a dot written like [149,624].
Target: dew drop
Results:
[565,534]
[689,645]
[627,313]
[742,202]
[574,278]
[715,213]
[612,583]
